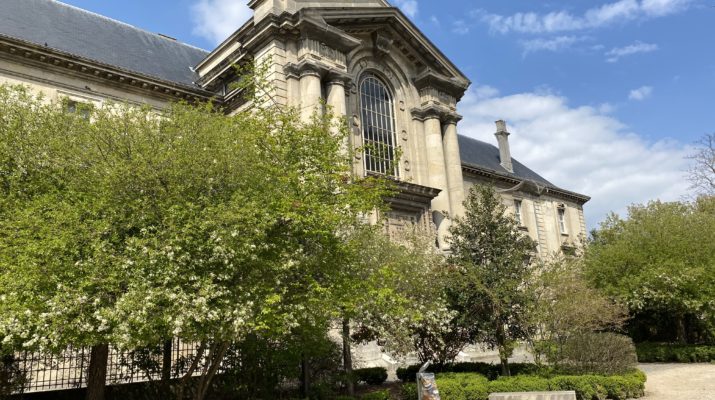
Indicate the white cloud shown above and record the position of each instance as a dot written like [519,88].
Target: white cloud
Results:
[554,44]
[638,47]
[409,7]
[216,20]
[641,93]
[460,27]
[563,21]
[582,149]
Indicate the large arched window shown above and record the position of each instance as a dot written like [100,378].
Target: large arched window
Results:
[378,126]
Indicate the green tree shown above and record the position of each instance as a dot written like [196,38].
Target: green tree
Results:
[490,288]
[660,262]
[395,291]
[133,226]
[567,307]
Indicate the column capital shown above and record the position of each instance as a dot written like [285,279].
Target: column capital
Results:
[304,68]
[339,78]
[443,114]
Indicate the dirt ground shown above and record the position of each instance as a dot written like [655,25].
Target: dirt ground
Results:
[679,381]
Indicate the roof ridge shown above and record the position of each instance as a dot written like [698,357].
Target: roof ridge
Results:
[116,21]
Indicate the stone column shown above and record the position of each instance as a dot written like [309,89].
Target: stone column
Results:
[336,101]
[336,98]
[311,93]
[437,173]
[453,163]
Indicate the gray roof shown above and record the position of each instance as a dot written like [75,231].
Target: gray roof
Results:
[91,36]
[483,155]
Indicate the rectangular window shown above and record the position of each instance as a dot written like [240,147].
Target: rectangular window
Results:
[517,212]
[562,219]
[76,107]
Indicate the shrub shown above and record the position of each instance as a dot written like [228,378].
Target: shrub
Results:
[460,386]
[408,391]
[470,386]
[372,376]
[491,371]
[379,395]
[597,353]
[663,352]
[519,384]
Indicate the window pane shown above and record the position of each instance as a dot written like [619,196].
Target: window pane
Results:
[378,122]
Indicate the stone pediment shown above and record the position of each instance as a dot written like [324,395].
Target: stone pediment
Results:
[342,28]
[390,25]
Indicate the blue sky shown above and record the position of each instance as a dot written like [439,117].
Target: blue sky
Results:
[603,97]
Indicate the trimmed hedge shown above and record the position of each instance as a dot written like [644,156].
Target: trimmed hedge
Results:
[379,395]
[470,386]
[372,376]
[680,353]
[490,371]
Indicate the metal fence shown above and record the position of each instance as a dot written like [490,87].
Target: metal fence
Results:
[69,369]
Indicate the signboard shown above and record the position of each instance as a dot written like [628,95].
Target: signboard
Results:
[427,384]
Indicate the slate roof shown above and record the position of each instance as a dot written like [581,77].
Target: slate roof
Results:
[91,36]
[480,154]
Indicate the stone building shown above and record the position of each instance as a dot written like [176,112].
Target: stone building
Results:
[364,58]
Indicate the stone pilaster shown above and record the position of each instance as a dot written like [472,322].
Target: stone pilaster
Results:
[437,176]
[453,164]
[311,94]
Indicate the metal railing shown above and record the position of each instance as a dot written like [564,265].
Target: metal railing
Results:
[69,369]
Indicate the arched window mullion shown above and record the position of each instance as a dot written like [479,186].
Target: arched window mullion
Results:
[378,117]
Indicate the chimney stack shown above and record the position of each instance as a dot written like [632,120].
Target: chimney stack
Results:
[504,152]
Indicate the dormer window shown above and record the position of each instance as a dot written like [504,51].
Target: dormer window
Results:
[378,126]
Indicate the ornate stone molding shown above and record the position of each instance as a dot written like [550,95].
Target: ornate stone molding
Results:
[309,67]
[382,43]
[314,48]
[453,88]
[445,115]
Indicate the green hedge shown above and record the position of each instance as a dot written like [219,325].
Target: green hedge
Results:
[471,386]
[491,371]
[681,353]
[379,395]
[372,376]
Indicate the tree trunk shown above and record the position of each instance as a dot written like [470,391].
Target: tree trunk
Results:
[348,358]
[97,374]
[503,350]
[166,361]
[680,329]
[305,377]
[214,359]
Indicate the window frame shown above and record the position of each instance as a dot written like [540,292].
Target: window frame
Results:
[518,211]
[378,126]
[561,219]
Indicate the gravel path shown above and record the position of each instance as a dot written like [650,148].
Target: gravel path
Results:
[679,381]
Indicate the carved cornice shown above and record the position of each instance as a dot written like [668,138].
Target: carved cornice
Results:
[524,185]
[455,87]
[360,20]
[43,57]
[310,67]
[445,115]
[412,197]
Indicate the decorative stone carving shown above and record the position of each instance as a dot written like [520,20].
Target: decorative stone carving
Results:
[382,43]
[317,49]
[404,136]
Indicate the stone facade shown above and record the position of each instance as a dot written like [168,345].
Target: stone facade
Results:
[316,52]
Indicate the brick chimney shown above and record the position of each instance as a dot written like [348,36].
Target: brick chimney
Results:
[504,152]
